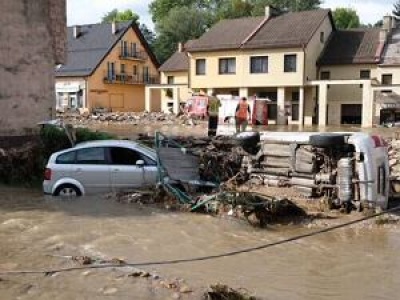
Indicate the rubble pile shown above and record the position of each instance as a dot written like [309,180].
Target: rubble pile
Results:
[220,157]
[131,118]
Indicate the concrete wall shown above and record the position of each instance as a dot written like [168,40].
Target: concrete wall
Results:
[243,78]
[315,48]
[29,50]
[183,94]
[118,96]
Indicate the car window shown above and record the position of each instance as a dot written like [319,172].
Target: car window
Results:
[126,156]
[91,156]
[66,158]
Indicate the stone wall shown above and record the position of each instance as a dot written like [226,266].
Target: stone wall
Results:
[32,41]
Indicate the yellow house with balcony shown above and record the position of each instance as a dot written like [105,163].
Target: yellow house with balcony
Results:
[107,66]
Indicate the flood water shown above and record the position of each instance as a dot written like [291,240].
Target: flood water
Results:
[357,263]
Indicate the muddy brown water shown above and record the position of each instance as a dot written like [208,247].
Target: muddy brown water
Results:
[36,231]
[352,263]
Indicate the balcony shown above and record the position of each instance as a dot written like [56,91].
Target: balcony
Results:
[128,54]
[125,78]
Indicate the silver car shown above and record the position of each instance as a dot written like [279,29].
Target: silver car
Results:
[100,167]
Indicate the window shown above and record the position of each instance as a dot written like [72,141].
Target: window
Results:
[227,65]
[134,70]
[122,68]
[322,37]
[325,75]
[111,71]
[200,66]
[133,49]
[146,74]
[295,96]
[90,156]
[124,48]
[170,79]
[386,79]
[66,158]
[128,157]
[365,74]
[259,64]
[290,62]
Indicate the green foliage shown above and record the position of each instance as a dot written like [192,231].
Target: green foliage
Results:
[396,9]
[181,24]
[54,138]
[346,18]
[119,16]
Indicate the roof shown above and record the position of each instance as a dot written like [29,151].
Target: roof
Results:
[357,46]
[391,54]
[294,29]
[87,51]
[179,61]
[226,34]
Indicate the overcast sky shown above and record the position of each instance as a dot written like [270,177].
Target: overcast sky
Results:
[91,11]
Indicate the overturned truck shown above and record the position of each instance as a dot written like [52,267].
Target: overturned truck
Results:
[343,169]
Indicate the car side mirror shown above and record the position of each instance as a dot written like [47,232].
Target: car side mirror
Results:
[140,163]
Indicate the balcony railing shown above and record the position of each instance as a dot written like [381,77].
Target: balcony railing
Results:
[125,78]
[126,53]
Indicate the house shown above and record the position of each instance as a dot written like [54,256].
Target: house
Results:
[311,72]
[108,66]
[32,42]
[174,77]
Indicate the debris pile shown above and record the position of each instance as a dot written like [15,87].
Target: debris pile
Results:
[223,292]
[131,118]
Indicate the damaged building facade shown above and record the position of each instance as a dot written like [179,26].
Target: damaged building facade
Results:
[310,72]
[33,38]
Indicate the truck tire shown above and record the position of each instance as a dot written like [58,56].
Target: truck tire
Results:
[327,140]
[248,140]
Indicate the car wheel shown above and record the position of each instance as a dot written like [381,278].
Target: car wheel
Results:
[327,140]
[67,190]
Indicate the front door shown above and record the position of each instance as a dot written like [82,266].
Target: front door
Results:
[125,173]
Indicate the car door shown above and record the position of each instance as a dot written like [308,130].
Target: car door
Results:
[125,173]
[91,170]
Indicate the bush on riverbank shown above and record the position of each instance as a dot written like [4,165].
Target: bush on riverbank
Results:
[23,163]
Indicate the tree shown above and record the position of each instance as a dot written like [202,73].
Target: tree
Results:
[396,10]
[119,16]
[234,9]
[180,25]
[129,15]
[346,18]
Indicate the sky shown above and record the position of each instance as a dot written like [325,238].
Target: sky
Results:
[81,12]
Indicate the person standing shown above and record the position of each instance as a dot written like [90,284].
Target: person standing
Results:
[242,115]
[212,111]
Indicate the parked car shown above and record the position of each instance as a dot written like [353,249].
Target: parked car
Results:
[100,167]
[345,169]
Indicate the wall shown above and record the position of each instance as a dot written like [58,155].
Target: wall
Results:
[275,76]
[315,48]
[28,52]
[183,94]
[118,96]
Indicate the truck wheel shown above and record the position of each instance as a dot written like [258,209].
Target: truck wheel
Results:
[327,140]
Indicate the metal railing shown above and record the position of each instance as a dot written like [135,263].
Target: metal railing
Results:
[130,78]
[126,53]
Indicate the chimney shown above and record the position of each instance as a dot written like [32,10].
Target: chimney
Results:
[388,23]
[180,47]
[114,27]
[77,31]
[268,11]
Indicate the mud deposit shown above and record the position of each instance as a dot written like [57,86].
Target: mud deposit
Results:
[36,232]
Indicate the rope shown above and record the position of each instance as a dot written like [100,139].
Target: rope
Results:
[202,258]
